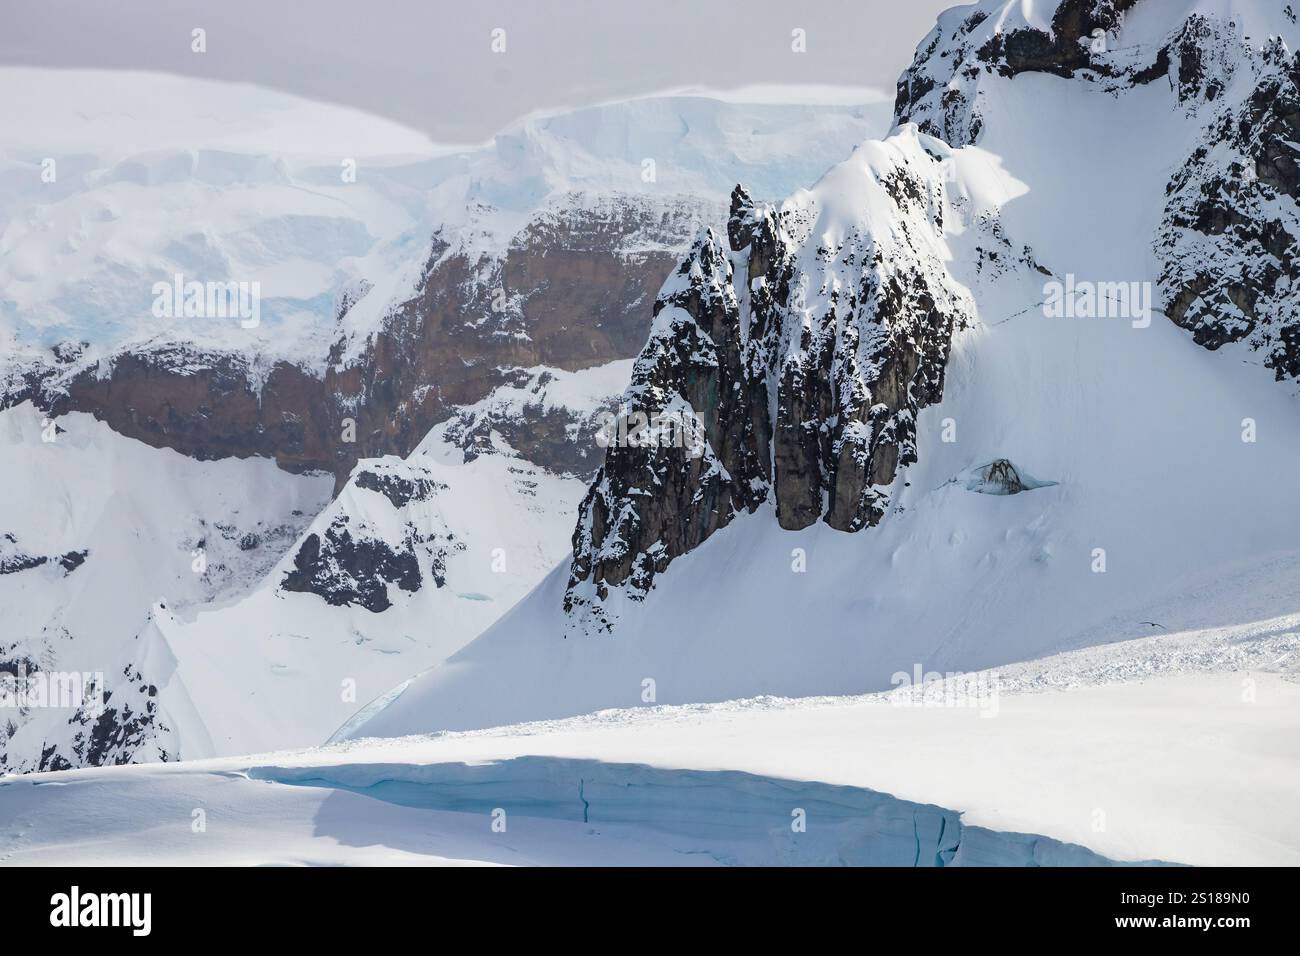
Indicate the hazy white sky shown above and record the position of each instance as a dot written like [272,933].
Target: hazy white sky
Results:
[429,63]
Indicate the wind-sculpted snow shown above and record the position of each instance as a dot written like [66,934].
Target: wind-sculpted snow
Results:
[1154,733]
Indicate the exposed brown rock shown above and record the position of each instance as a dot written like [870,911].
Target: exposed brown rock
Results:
[568,292]
[845,344]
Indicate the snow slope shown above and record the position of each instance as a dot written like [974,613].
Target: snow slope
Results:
[1181,749]
[150,526]
[274,666]
[1139,428]
[277,668]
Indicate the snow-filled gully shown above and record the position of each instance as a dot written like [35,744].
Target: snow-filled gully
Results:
[735,818]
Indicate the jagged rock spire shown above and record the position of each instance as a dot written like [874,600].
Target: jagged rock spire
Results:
[804,351]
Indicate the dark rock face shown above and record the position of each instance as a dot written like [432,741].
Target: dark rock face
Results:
[848,395]
[940,90]
[348,570]
[14,563]
[72,560]
[539,434]
[120,731]
[1002,475]
[566,292]
[207,406]
[13,559]
[1231,229]
[1064,51]
[349,560]
[399,489]
[802,367]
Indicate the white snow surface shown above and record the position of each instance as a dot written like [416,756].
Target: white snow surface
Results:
[158,528]
[1182,749]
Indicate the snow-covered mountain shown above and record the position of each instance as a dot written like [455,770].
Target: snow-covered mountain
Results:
[437,330]
[698,510]
[414,558]
[396,279]
[1014,380]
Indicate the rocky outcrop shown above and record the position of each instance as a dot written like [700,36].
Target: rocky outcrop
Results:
[801,351]
[654,499]
[1231,228]
[344,569]
[111,720]
[1228,235]
[1000,477]
[117,729]
[566,291]
[942,91]
[383,535]
[400,489]
[13,559]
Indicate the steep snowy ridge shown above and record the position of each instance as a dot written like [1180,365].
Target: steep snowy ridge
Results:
[1121,435]
[1231,222]
[803,353]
